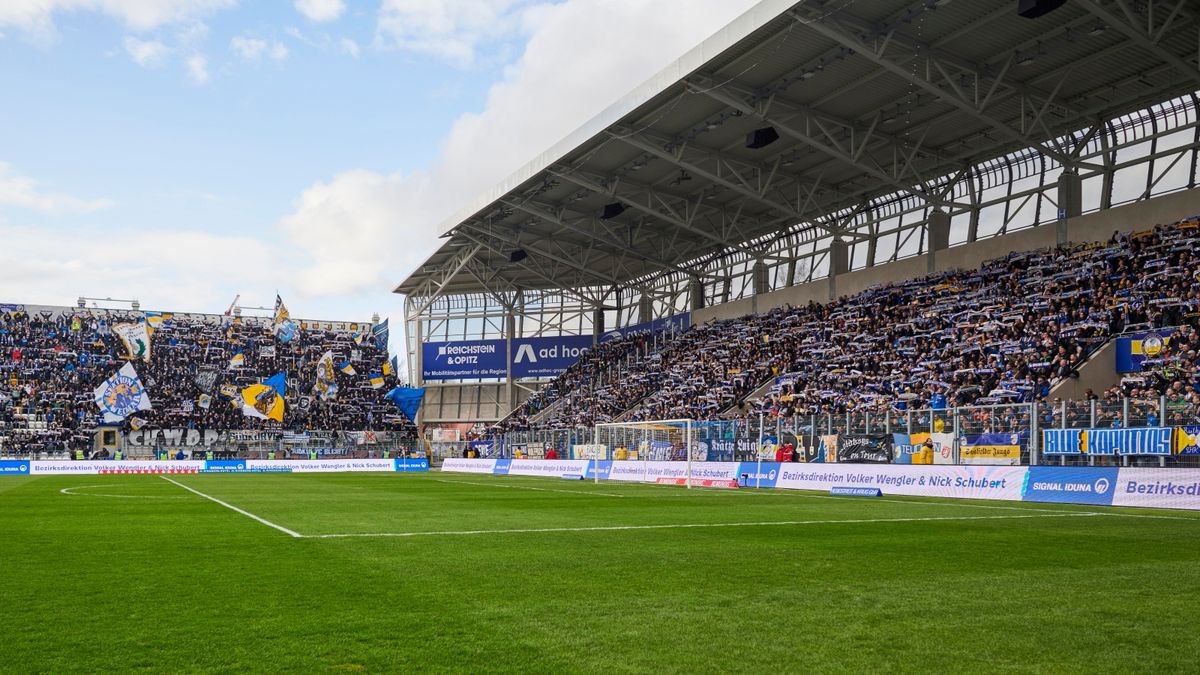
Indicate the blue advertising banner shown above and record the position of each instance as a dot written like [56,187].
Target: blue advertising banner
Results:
[754,477]
[14,467]
[547,356]
[1070,485]
[677,323]
[410,464]
[466,360]
[1134,350]
[487,359]
[604,466]
[225,466]
[502,467]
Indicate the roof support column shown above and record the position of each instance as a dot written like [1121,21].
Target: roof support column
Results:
[1070,202]
[696,293]
[597,324]
[939,236]
[838,264]
[645,308]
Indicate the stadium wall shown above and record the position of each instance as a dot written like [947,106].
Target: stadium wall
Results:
[1096,226]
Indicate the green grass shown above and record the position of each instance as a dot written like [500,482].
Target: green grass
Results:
[134,573]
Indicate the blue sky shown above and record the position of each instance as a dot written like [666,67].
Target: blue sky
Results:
[185,151]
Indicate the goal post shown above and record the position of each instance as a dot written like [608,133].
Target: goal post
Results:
[646,441]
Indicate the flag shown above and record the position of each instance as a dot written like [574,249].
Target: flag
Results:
[237,360]
[122,395]
[387,368]
[229,312]
[284,328]
[358,335]
[408,400]
[204,401]
[136,339]
[136,423]
[347,368]
[381,333]
[156,319]
[326,384]
[229,391]
[376,380]
[265,400]
[76,324]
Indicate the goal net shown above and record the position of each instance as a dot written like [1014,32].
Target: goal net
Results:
[648,441]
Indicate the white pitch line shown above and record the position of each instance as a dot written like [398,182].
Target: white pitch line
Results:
[231,507]
[71,491]
[680,526]
[530,487]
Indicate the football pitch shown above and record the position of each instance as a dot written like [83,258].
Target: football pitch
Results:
[455,572]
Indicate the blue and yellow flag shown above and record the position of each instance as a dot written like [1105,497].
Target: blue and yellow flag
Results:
[237,360]
[347,368]
[408,400]
[265,400]
[380,333]
[376,380]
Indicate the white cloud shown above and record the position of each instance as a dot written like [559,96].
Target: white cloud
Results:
[364,230]
[252,49]
[146,53]
[37,16]
[349,46]
[356,229]
[167,270]
[197,68]
[455,30]
[321,10]
[25,193]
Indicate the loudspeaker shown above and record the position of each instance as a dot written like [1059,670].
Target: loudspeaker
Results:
[1032,9]
[761,138]
[517,255]
[612,210]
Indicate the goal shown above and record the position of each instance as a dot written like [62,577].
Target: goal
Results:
[648,441]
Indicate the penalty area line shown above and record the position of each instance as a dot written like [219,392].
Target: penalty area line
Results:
[231,507]
[684,526]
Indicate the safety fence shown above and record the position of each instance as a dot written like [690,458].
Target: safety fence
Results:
[1005,434]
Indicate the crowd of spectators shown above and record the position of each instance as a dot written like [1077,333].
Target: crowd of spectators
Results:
[1004,333]
[52,359]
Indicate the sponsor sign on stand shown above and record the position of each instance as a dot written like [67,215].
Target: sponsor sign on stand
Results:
[14,467]
[751,476]
[320,465]
[411,464]
[225,466]
[855,492]
[1070,485]
[547,467]
[60,468]
[453,464]
[1159,488]
[974,482]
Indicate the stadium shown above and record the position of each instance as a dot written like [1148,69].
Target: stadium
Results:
[861,337]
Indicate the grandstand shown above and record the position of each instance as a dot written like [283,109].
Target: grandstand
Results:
[891,206]
[197,364]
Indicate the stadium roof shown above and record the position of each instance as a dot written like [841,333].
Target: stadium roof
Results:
[868,98]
